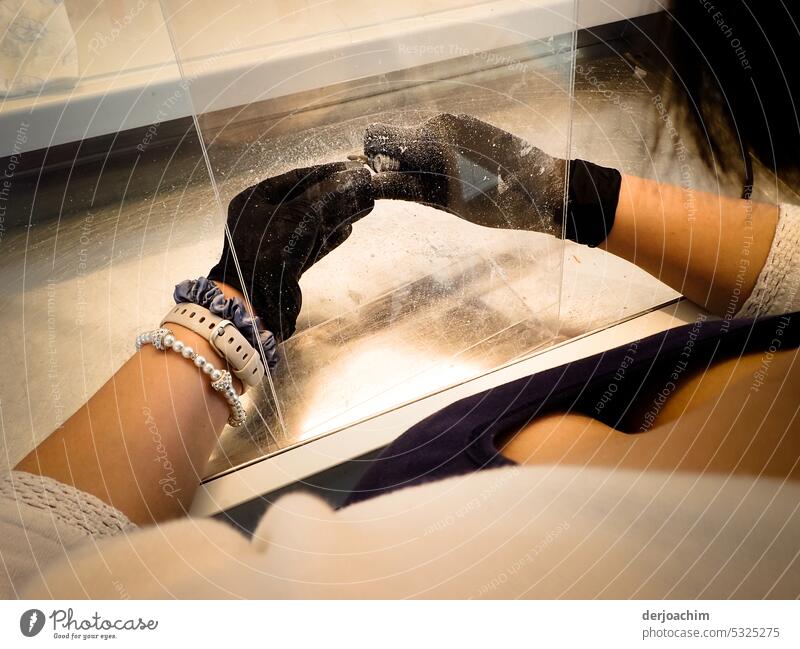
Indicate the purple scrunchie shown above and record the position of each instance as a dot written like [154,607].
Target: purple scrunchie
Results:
[206,293]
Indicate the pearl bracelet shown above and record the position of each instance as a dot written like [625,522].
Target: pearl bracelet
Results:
[221,380]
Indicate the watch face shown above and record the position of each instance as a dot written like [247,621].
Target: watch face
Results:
[475,179]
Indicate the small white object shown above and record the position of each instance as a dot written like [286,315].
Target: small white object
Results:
[382,162]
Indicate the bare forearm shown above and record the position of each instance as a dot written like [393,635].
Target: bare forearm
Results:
[708,247]
[142,441]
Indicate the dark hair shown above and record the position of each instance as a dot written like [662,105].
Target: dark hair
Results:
[736,66]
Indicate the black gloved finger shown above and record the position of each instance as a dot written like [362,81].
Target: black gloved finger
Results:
[432,145]
[388,140]
[273,192]
[485,144]
[292,184]
[409,186]
[338,202]
[330,241]
[405,149]
[449,154]
[343,197]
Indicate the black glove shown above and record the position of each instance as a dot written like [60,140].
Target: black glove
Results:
[282,226]
[492,178]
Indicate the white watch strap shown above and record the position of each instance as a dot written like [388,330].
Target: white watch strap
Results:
[244,361]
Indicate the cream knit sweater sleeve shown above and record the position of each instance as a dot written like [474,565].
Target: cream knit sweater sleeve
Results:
[41,520]
[777,289]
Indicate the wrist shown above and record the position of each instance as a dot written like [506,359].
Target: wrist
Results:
[205,349]
[200,344]
[232,292]
[226,300]
[183,379]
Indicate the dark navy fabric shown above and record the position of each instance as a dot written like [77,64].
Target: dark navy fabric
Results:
[461,438]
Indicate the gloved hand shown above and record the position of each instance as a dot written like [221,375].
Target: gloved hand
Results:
[491,178]
[282,226]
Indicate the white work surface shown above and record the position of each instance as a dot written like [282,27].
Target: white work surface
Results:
[300,462]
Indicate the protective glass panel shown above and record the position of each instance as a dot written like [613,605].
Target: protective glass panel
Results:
[105,202]
[416,300]
[619,121]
